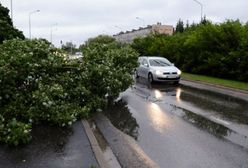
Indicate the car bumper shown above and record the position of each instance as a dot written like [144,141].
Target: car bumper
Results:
[172,78]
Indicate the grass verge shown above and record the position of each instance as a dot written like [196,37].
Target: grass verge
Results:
[216,81]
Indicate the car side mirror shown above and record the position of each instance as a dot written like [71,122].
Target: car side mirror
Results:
[146,65]
[172,64]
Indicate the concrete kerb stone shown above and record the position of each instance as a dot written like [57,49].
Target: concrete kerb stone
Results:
[95,146]
[236,93]
[126,149]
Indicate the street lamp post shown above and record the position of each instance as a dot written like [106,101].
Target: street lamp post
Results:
[200,5]
[29,21]
[51,33]
[138,18]
[11,8]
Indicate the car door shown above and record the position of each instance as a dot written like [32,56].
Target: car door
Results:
[138,69]
[144,68]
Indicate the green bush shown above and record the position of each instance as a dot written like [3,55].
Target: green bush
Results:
[38,85]
[218,50]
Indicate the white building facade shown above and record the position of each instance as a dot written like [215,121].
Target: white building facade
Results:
[129,36]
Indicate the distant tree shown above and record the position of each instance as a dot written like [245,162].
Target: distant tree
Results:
[101,39]
[69,47]
[7,31]
[179,26]
[187,24]
[204,21]
[104,39]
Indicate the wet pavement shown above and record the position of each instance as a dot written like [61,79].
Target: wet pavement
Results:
[51,147]
[186,127]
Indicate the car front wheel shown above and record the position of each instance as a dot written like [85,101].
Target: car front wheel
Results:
[150,78]
[136,74]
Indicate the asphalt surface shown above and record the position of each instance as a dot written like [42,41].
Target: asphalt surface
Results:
[184,126]
[188,126]
[51,147]
[126,150]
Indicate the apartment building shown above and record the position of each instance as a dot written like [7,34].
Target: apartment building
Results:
[128,36]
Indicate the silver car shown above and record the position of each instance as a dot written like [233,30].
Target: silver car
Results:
[157,69]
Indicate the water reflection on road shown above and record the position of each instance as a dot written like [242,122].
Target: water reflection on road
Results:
[228,107]
[186,101]
[157,117]
[121,118]
[180,126]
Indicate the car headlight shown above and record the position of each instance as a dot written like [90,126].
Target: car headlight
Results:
[179,72]
[157,72]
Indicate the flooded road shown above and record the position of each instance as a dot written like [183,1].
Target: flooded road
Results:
[184,127]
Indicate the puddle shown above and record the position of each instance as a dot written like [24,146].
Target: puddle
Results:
[213,127]
[121,118]
[226,106]
[107,152]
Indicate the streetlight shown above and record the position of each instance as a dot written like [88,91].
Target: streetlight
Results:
[200,5]
[138,18]
[11,10]
[29,21]
[51,35]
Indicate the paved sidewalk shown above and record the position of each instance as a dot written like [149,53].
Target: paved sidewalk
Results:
[51,148]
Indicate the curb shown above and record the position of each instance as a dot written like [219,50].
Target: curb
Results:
[218,86]
[125,148]
[95,146]
[239,94]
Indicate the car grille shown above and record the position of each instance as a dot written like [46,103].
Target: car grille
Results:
[168,73]
[169,79]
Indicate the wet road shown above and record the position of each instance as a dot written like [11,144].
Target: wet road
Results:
[184,127]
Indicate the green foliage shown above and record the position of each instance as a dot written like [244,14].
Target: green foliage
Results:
[38,85]
[17,132]
[69,47]
[216,81]
[109,65]
[7,31]
[101,39]
[179,26]
[219,50]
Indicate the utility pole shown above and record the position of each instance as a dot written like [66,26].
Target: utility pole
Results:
[11,8]
[51,32]
[29,21]
[200,5]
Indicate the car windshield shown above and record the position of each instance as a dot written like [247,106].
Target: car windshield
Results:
[159,62]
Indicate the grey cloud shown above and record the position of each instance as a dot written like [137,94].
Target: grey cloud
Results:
[80,19]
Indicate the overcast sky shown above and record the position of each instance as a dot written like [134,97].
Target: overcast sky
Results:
[77,20]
